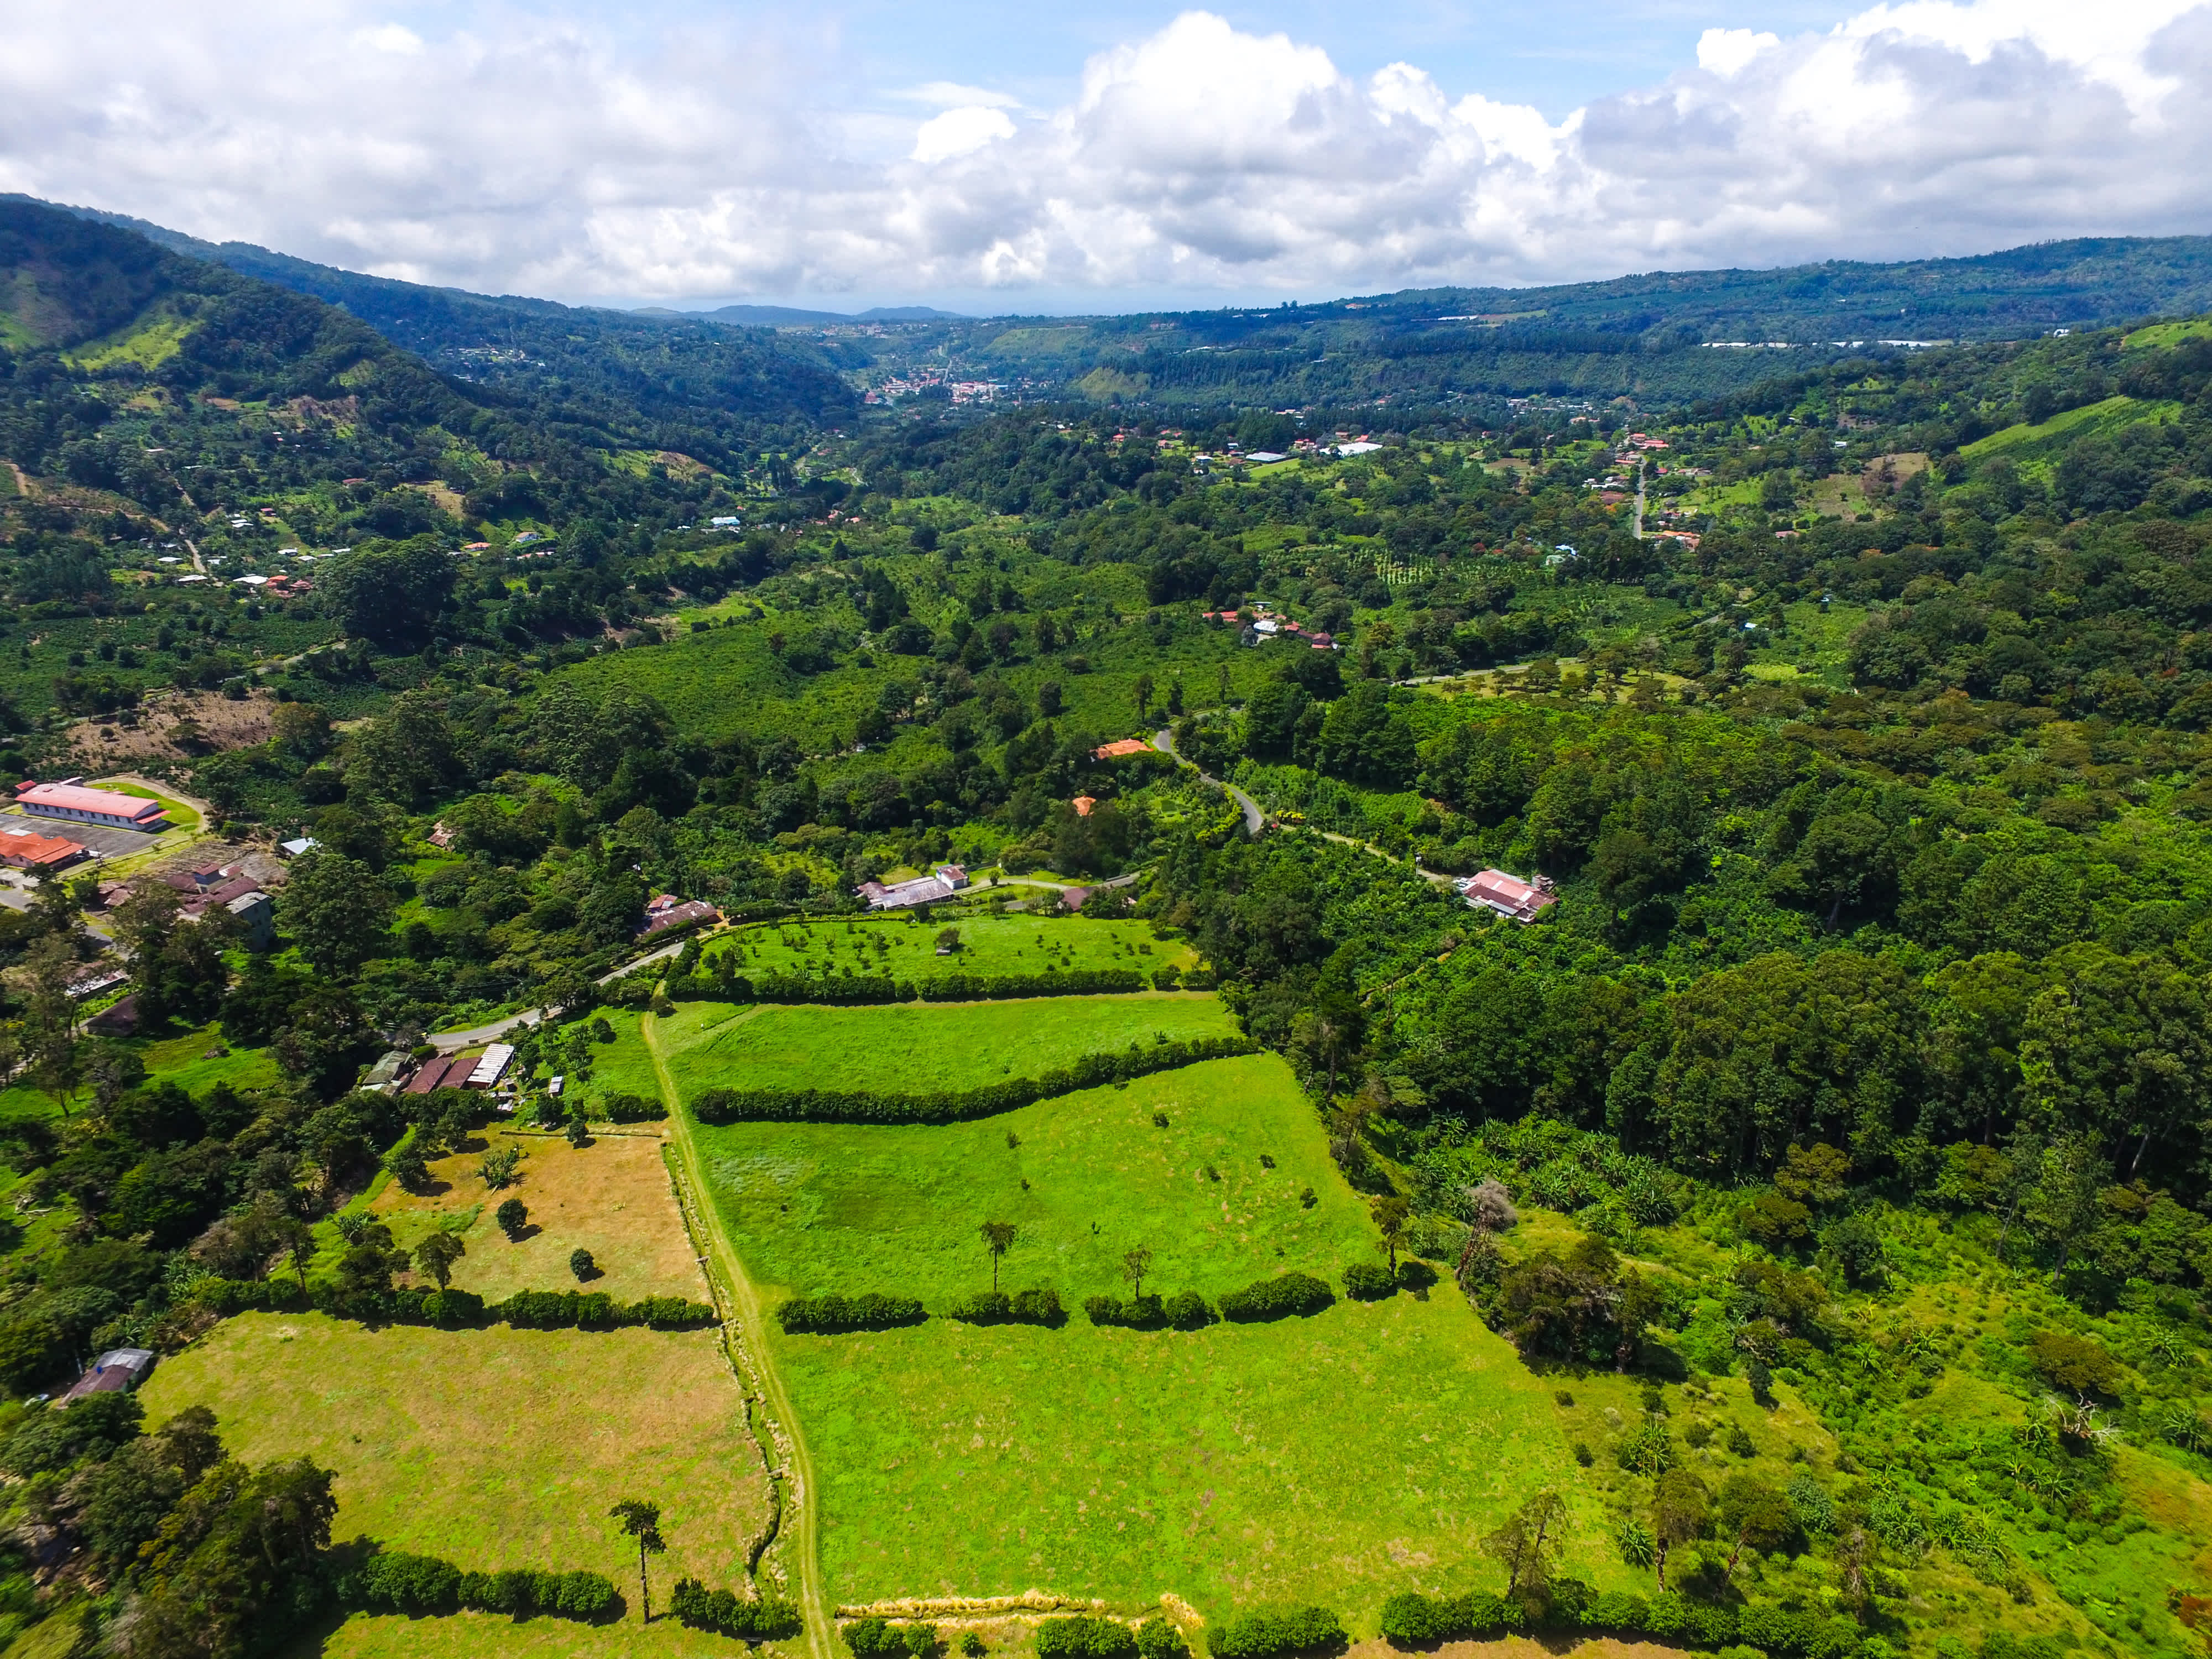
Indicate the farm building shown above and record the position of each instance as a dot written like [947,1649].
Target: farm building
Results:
[667,911]
[1119,747]
[441,1072]
[491,1066]
[113,1372]
[27,849]
[934,888]
[72,800]
[1509,895]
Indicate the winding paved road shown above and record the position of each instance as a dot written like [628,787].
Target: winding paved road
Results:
[446,1041]
[1254,819]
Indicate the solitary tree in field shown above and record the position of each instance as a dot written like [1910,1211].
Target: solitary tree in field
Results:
[997,1239]
[1392,1215]
[513,1217]
[641,1521]
[1528,1545]
[1678,1514]
[436,1254]
[1135,1265]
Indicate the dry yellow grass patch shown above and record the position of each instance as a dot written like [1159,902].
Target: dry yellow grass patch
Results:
[611,1198]
[493,1448]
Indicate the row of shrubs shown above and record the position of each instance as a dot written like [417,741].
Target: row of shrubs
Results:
[1279,1297]
[398,1583]
[1022,1308]
[825,1315]
[1185,1310]
[1363,1281]
[535,1310]
[1083,1637]
[723,1611]
[717,1106]
[630,1109]
[1280,1635]
[1414,1620]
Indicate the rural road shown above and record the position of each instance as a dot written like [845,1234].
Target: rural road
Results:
[1254,819]
[1638,529]
[803,1503]
[446,1041]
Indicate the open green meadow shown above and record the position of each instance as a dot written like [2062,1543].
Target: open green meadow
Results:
[496,1635]
[492,1448]
[905,947]
[904,1047]
[1318,1458]
[194,1060]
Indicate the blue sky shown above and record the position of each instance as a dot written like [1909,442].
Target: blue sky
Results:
[992,157]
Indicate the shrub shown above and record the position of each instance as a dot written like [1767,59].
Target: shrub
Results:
[1136,1313]
[1186,1311]
[878,1639]
[719,1106]
[632,1108]
[1084,1639]
[1365,1281]
[1414,1620]
[1275,1298]
[823,1315]
[581,1263]
[1274,1635]
[1158,1638]
[2074,1363]
[513,1217]
[997,1308]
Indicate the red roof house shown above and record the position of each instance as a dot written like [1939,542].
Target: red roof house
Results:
[1509,895]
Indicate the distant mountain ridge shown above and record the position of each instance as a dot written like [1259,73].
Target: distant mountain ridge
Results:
[787,316]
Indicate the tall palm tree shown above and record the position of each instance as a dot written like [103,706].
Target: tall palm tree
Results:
[998,1238]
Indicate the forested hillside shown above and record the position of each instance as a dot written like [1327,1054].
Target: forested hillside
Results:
[1834,1147]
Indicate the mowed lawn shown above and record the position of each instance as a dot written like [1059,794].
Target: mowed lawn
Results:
[905,1048]
[492,1448]
[1338,1458]
[905,947]
[611,1198]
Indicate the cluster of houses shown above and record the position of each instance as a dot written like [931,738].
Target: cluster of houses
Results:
[1267,625]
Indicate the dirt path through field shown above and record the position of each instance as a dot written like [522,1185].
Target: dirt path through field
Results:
[801,1507]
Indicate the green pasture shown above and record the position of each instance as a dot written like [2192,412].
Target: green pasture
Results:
[2025,442]
[190,1060]
[492,1448]
[900,1047]
[905,947]
[1335,1459]
[2168,334]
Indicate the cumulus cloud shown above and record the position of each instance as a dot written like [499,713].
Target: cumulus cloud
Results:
[541,155]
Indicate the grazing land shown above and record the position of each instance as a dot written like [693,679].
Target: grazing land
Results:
[494,1636]
[904,1047]
[1237,1464]
[492,1448]
[905,947]
[611,1198]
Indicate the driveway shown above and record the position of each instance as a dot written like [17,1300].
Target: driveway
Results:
[447,1042]
[1254,819]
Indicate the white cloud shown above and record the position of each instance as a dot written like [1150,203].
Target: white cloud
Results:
[541,157]
[958,131]
[1724,51]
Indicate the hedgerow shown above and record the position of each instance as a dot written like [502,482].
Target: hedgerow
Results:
[631,1108]
[1277,1297]
[1414,1620]
[879,1638]
[1084,1639]
[719,1106]
[537,1310]
[1185,1310]
[399,1583]
[826,1316]
[997,1308]
[1277,1635]
[722,1611]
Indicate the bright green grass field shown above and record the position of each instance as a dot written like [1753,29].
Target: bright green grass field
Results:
[905,1048]
[182,1059]
[988,945]
[1339,1458]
